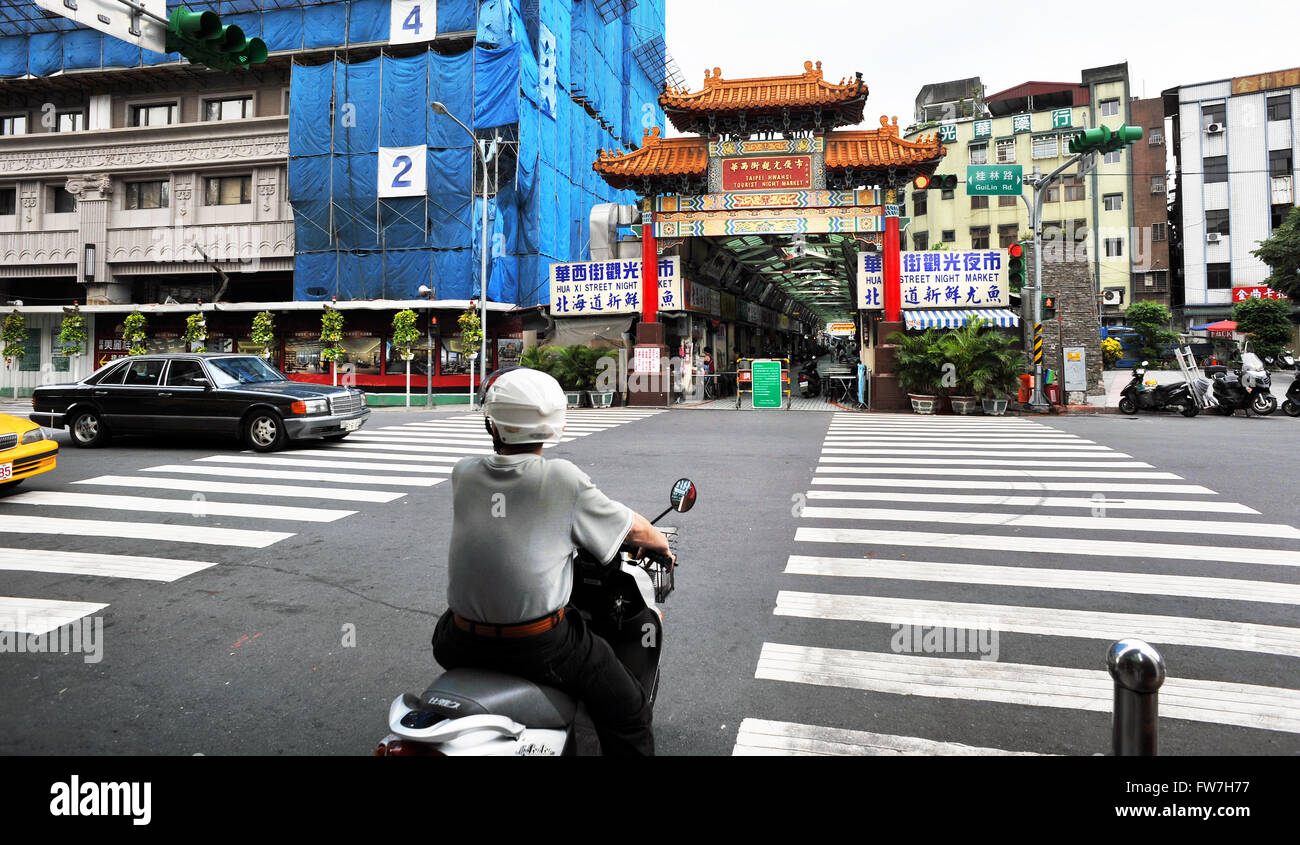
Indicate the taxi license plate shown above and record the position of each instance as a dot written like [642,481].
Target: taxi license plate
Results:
[6,471]
[351,425]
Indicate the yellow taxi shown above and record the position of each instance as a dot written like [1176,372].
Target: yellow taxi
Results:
[25,450]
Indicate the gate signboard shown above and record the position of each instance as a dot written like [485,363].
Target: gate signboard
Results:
[767,384]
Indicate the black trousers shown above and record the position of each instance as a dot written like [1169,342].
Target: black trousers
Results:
[569,657]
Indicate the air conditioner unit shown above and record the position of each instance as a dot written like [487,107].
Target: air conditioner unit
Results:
[1114,296]
[1214,128]
[1212,238]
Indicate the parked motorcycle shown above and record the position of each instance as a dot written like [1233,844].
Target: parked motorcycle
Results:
[475,712]
[1139,396]
[1285,360]
[1291,406]
[1246,389]
[810,383]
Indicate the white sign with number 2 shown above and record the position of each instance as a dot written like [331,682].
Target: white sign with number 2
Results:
[412,21]
[401,172]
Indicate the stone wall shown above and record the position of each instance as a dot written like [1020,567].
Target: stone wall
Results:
[1067,276]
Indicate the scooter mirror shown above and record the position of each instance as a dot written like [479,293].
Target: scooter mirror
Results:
[683,495]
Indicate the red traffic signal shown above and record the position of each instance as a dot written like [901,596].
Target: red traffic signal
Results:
[1016,250]
[921,182]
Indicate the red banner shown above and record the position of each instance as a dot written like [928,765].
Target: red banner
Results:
[767,173]
[1241,294]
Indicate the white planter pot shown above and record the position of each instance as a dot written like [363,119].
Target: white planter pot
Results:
[922,404]
[966,405]
[995,407]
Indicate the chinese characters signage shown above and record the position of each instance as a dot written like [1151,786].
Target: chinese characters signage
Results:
[936,279]
[983,129]
[1062,119]
[611,287]
[948,133]
[994,179]
[1266,81]
[1242,294]
[766,173]
[1020,123]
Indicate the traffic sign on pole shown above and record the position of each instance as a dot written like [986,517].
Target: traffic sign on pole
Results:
[994,180]
[141,26]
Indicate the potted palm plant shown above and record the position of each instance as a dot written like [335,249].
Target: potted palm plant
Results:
[601,393]
[919,365]
[575,370]
[987,366]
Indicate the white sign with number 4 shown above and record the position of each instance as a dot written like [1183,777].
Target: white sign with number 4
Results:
[413,21]
[401,172]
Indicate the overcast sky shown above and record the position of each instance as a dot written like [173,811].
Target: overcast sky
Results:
[900,46]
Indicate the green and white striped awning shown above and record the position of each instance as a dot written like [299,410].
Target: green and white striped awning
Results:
[954,318]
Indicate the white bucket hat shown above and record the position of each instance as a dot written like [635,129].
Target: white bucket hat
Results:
[525,405]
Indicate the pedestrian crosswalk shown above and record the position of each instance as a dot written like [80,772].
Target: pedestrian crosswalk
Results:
[998,527]
[184,505]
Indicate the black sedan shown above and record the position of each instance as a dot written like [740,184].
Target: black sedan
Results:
[238,395]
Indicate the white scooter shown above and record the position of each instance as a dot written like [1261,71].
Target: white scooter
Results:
[476,712]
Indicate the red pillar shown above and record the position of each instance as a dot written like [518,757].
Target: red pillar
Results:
[649,270]
[893,270]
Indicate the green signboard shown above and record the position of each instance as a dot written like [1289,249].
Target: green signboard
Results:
[994,179]
[1062,118]
[767,384]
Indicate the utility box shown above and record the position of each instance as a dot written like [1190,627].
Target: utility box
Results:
[1075,371]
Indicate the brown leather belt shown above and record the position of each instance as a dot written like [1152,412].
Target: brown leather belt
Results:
[523,629]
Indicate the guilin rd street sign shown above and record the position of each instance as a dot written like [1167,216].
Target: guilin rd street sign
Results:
[994,180]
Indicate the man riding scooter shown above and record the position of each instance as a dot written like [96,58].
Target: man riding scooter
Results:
[517,520]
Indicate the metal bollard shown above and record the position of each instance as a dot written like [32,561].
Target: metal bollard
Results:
[1138,671]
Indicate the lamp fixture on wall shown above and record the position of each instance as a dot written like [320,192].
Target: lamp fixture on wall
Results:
[88,263]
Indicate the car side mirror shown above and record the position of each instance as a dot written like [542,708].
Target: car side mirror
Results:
[201,382]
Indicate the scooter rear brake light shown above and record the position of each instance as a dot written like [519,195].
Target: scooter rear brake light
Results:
[402,748]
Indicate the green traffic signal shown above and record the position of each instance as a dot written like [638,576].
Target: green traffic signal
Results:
[1104,139]
[201,38]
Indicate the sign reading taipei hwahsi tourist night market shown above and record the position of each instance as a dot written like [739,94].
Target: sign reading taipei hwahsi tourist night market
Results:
[936,279]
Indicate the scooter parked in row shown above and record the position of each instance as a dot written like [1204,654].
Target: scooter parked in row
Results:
[475,712]
[810,383]
[1140,396]
[1246,389]
[1291,405]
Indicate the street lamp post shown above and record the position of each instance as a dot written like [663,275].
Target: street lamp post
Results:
[439,108]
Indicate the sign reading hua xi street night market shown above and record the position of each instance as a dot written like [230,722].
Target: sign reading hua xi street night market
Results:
[936,279]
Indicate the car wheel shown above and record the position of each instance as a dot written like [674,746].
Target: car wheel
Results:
[1264,405]
[264,431]
[88,430]
[1127,406]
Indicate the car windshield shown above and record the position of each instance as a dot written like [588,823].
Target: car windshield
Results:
[243,370]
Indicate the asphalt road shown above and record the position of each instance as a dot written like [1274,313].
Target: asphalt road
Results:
[253,654]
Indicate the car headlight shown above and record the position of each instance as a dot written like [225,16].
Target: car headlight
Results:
[36,435]
[310,406]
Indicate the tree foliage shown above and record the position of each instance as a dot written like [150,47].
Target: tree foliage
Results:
[331,334]
[405,333]
[1281,253]
[264,331]
[14,336]
[1150,321]
[1268,321]
[72,332]
[133,332]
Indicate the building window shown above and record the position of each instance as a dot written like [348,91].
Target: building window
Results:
[1279,107]
[1279,162]
[979,153]
[1215,169]
[1053,194]
[1074,189]
[1008,234]
[9,201]
[921,240]
[920,203]
[13,124]
[1113,202]
[1217,113]
[1114,247]
[1006,201]
[1114,157]
[949,235]
[1218,276]
[1156,137]
[160,114]
[70,121]
[60,201]
[1109,108]
[146,195]
[1045,146]
[1007,151]
[228,190]
[1156,281]
[30,360]
[979,237]
[1217,222]
[978,202]
[286,101]
[1278,217]
[1159,231]
[1157,184]
[229,108]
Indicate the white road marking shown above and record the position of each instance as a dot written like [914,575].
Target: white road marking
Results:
[198,485]
[1244,705]
[202,508]
[454,451]
[40,616]
[449,460]
[1051,545]
[1194,586]
[1008,452]
[141,531]
[848,458]
[344,477]
[100,565]
[956,519]
[311,462]
[1009,473]
[1053,486]
[1102,503]
[762,738]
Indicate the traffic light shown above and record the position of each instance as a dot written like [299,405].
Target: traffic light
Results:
[1015,268]
[1049,306]
[921,183]
[937,183]
[203,39]
[1103,139]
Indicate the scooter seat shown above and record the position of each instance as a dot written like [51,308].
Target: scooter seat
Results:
[473,692]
